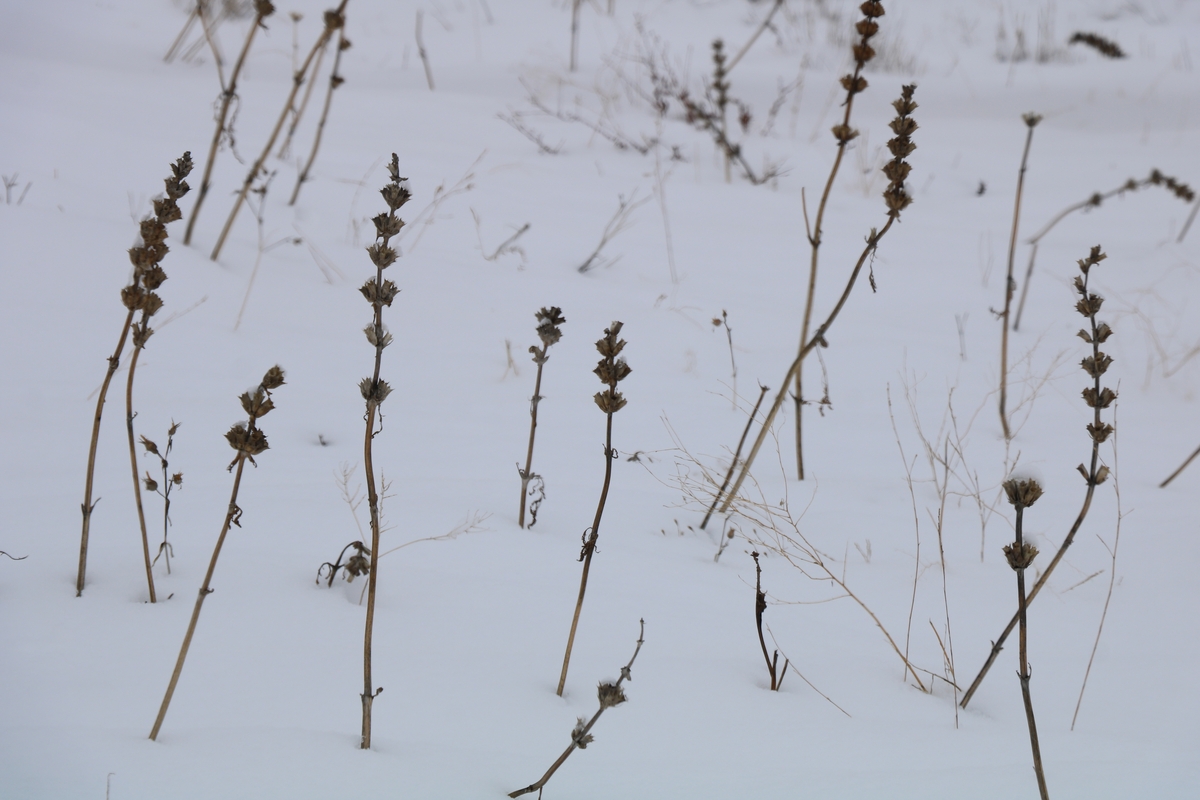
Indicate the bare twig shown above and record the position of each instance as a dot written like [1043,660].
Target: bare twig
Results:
[619,222]
[736,453]
[509,245]
[514,119]
[754,37]
[1182,467]
[421,49]
[335,80]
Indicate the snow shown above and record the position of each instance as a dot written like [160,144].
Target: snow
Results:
[470,629]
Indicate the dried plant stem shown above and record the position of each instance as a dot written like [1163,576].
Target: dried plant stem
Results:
[114,361]
[231,517]
[1187,225]
[1023,673]
[589,547]
[760,605]
[575,4]
[580,736]
[133,466]
[818,338]
[766,23]
[421,49]
[285,148]
[736,454]
[1031,121]
[1182,467]
[333,21]
[187,28]
[335,80]
[228,93]
[533,409]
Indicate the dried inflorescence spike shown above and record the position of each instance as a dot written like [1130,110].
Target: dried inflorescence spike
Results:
[895,196]
[1020,556]
[1104,47]
[1022,493]
[611,370]
[1096,364]
[549,322]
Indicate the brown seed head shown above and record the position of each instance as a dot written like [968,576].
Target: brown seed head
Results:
[1031,119]
[263,8]
[382,256]
[610,694]
[1022,493]
[1020,556]
[273,379]
[150,446]
[151,484]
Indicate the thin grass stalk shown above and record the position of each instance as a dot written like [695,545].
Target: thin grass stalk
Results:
[334,20]
[844,134]
[1031,121]
[1094,475]
[611,370]
[335,80]
[262,9]
[754,38]
[133,465]
[1181,468]
[114,361]
[248,440]
[736,454]
[378,293]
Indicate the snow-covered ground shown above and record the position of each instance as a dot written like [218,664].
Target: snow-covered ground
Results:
[471,625]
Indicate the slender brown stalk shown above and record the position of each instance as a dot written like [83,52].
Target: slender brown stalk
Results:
[262,10]
[844,134]
[133,463]
[1010,285]
[335,80]
[611,371]
[248,440]
[334,19]
[1097,397]
[379,293]
[138,295]
[421,49]
[760,606]
[736,453]
[1182,467]
[610,694]
[285,148]
[575,4]
[754,37]
[548,331]
[1021,554]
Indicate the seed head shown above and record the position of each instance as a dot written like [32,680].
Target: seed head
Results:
[1020,556]
[1022,493]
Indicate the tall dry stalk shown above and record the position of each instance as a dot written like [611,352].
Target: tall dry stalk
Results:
[137,296]
[1010,285]
[548,331]
[1097,397]
[854,84]
[262,10]
[334,20]
[1020,554]
[248,440]
[335,80]
[379,293]
[896,199]
[611,371]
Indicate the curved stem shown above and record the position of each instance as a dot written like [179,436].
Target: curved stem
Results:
[133,466]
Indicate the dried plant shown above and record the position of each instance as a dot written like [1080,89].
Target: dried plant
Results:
[760,606]
[169,481]
[379,293]
[421,49]
[611,370]
[359,563]
[896,199]
[1098,398]
[1020,554]
[248,440]
[224,129]
[843,134]
[736,455]
[549,332]
[1155,178]
[334,20]
[1010,284]
[298,113]
[137,296]
[1104,47]
[619,222]
[609,694]
[335,80]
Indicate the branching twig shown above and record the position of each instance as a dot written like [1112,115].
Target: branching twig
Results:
[619,222]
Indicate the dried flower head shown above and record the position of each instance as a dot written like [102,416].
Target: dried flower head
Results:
[581,739]
[549,320]
[1022,493]
[895,196]
[272,380]
[611,370]
[610,694]
[1020,556]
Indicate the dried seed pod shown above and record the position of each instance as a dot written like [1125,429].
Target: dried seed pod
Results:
[581,739]
[610,694]
[273,379]
[150,446]
[1022,493]
[1102,399]
[1101,432]
[382,255]
[150,483]
[1020,556]
[1096,365]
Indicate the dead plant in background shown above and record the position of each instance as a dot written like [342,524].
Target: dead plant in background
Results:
[137,296]
[1105,47]
[610,694]
[1020,554]
[335,80]
[611,370]
[334,20]
[224,130]
[549,332]
[163,490]
[1010,284]
[379,293]
[1155,178]
[843,134]
[896,199]
[760,606]
[248,440]
[1098,398]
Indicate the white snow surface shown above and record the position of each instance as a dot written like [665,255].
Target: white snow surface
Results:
[470,630]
